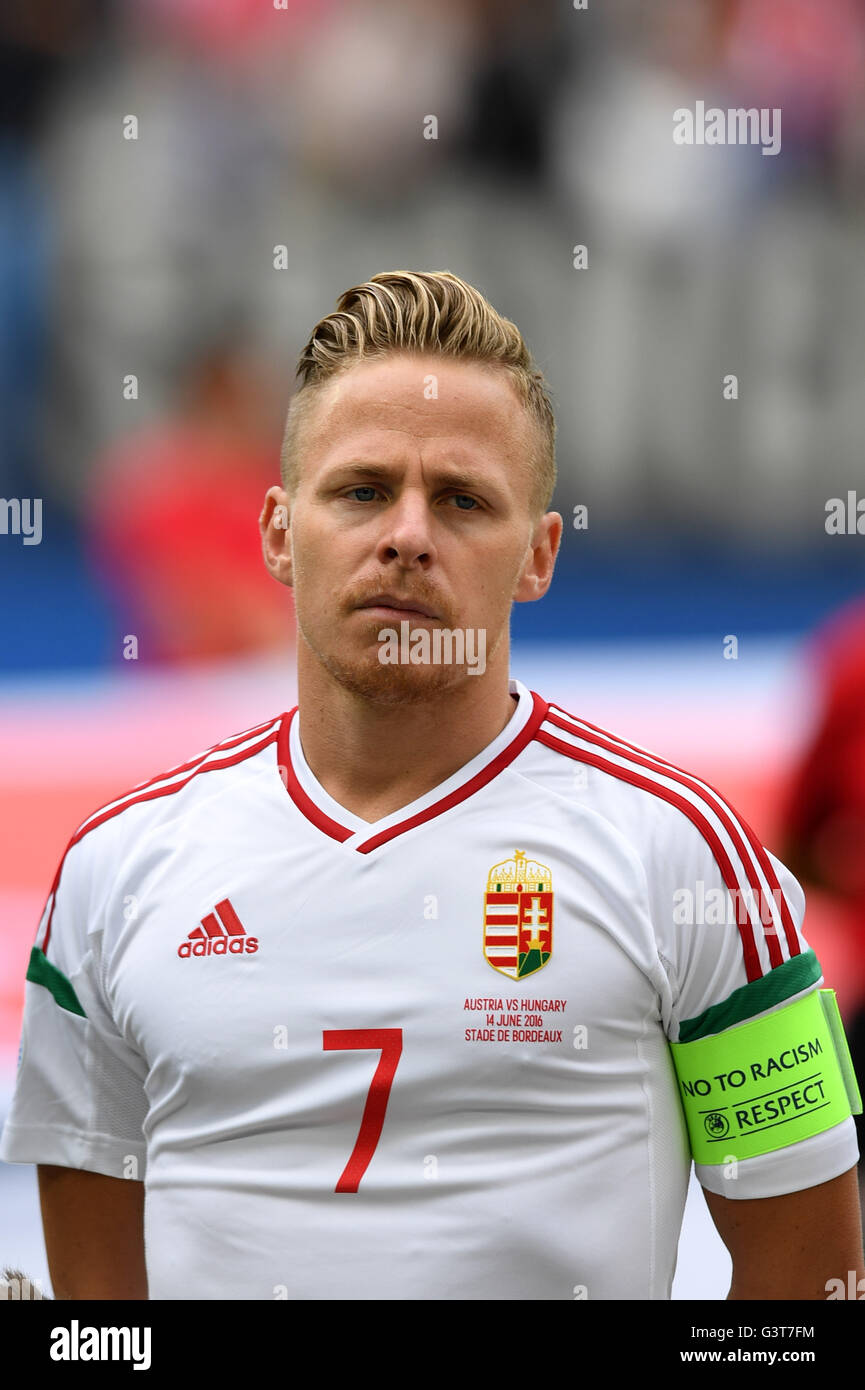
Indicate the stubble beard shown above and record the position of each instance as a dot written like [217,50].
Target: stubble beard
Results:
[382,683]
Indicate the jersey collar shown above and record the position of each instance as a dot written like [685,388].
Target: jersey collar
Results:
[319,807]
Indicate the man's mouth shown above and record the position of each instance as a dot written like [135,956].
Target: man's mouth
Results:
[392,606]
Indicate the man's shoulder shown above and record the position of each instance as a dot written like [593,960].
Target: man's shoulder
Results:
[632,786]
[703,862]
[176,790]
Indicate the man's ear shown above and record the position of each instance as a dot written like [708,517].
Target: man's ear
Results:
[537,572]
[273,525]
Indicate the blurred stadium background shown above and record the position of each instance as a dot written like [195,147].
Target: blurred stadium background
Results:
[303,126]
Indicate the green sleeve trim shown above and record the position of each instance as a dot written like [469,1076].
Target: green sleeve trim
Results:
[40,971]
[829,1000]
[782,983]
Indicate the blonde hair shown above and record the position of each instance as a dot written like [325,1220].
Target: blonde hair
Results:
[431,312]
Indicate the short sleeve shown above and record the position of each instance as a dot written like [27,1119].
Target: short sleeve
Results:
[729,926]
[79,1098]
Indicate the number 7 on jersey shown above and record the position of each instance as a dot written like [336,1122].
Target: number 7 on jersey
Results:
[389,1040]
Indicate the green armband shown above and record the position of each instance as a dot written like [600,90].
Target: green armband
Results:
[769,1083]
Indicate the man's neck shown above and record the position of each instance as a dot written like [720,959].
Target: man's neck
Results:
[374,759]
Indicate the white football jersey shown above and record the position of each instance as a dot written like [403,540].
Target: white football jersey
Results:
[425,1058]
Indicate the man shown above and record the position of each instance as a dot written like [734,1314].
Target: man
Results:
[398,995]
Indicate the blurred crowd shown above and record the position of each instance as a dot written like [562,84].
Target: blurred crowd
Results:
[303,124]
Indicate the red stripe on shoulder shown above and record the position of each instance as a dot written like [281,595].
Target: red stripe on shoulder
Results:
[232,742]
[753,968]
[681,775]
[150,791]
[730,818]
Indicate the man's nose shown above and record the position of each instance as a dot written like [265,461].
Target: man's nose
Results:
[406,532]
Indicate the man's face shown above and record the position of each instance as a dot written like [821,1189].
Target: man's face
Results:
[413,491]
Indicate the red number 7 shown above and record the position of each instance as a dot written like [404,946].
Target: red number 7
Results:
[390,1042]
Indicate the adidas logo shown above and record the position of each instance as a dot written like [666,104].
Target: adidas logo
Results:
[221,934]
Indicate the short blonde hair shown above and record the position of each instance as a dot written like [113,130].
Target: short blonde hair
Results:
[430,312]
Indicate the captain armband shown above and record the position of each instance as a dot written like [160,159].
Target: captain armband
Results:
[768,1083]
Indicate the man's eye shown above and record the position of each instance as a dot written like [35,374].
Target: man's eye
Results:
[464,497]
[363,487]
